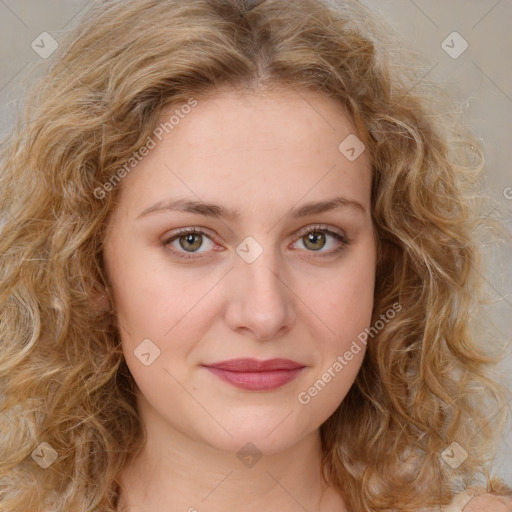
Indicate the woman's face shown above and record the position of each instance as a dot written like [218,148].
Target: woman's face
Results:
[252,285]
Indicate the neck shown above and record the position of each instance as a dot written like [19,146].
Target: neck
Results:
[175,473]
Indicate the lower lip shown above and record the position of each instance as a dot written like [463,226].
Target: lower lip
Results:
[257,381]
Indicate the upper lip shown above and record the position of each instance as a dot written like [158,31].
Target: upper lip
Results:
[255,365]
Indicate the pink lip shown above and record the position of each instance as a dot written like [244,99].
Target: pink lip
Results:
[255,375]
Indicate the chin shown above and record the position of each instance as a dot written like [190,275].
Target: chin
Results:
[263,439]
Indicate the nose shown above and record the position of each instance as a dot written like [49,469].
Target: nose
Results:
[260,302]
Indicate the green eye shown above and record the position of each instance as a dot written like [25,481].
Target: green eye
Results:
[314,239]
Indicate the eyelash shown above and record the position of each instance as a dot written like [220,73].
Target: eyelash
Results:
[314,229]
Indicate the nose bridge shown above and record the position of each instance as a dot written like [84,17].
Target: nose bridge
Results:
[261,300]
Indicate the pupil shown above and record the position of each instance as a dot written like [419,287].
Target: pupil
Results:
[314,238]
[190,241]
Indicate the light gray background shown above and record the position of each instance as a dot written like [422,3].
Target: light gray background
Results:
[481,77]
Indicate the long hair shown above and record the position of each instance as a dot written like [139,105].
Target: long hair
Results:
[70,423]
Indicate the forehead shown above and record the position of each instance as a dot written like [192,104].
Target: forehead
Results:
[277,146]
[292,112]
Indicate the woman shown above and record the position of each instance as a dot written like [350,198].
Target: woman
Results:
[238,263]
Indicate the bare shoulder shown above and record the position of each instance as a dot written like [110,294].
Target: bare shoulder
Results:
[489,503]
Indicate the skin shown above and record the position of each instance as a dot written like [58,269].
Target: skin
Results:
[489,503]
[263,154]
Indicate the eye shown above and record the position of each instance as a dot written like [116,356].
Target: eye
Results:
[186,242]
[316,238]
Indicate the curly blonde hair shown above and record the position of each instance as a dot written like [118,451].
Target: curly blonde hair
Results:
[63,376]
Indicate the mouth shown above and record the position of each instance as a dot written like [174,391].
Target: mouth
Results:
[254,375]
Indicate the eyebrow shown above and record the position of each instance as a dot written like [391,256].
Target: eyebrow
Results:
[218,211]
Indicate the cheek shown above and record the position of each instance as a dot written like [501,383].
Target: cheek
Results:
[345,301]
[161,311]
[149,296]
[345,307]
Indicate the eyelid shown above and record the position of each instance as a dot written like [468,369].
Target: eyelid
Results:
[322,227]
